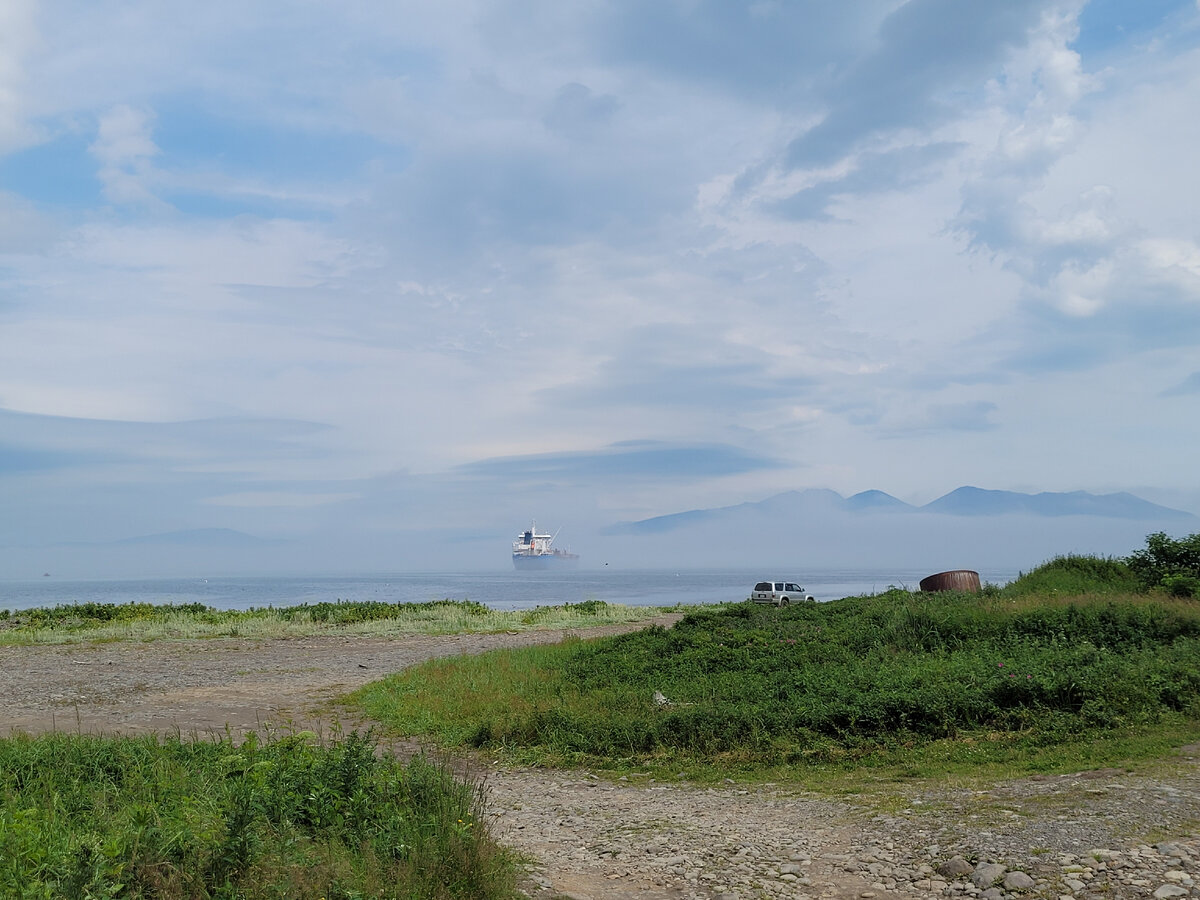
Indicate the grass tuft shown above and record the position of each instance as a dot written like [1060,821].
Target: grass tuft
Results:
[147,621]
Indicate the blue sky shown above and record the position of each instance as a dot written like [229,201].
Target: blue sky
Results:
[349,274]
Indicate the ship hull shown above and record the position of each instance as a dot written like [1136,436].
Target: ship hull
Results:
[544,562]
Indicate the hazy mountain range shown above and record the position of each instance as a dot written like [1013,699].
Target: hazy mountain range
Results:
[820,530]
[964,501]
[792,532]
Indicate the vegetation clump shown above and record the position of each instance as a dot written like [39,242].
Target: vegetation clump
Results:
[1075,575]
[1067,653]
[146,621]
[781,685]
[1169,564]
[83,615]
[345,612]
[168,818]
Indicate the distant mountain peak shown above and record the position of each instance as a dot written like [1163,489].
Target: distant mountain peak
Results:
[974,501]
[876,500]
[967,500]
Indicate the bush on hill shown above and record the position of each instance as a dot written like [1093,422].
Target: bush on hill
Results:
[1169,563]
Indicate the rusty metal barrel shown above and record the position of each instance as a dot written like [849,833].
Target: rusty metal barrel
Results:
[954,580]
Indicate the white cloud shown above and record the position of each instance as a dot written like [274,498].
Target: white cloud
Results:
[125,151]
[493,229]
[1080,292]
[1169,254]
[18,37]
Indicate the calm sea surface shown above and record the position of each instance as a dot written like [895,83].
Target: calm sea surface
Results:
[500,590]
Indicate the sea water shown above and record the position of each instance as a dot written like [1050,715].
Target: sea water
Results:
[505,590]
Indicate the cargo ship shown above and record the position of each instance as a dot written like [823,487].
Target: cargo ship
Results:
[532,551]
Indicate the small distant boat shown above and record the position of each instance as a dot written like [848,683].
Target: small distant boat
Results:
[532,551]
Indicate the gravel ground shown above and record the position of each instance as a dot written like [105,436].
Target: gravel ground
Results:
[1104,834]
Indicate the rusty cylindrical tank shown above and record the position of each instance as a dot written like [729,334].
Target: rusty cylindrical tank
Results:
[955,580]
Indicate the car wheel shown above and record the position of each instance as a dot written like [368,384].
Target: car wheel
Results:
[784,601]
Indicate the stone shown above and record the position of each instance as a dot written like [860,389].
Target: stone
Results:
[993,893]
[1018,881]
[1170,890]
[1075,885]
[955,867]
[987,874]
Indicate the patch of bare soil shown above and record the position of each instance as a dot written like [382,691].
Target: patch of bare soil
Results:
[1096,834]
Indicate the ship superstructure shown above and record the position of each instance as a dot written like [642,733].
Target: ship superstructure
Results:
[534,550]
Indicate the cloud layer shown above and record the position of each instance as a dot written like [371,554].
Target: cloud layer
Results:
[303,271]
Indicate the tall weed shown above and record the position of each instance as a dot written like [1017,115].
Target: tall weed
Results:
[168,818]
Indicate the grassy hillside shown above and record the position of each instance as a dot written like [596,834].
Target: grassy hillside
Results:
[1073,576]
[745,685]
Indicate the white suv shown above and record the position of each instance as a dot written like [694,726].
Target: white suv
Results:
[780,593]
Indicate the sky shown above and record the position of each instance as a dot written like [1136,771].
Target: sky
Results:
[387,277]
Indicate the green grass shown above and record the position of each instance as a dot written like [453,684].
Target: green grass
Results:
[168,818]
[907,681]
[1075,575]
[147,621]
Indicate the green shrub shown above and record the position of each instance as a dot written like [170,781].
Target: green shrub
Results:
[89,614]
[1169,563]
[347,612]
[1181,585]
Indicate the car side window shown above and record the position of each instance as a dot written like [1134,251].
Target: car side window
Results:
[793,587]
[779,585]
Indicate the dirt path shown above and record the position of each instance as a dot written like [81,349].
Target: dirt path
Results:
[209,686]
[1106,834]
